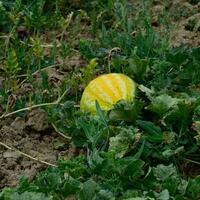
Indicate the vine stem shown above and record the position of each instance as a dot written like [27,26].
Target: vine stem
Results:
[27,108]
[192,161]
[35,106]
[60,133]
[26,155]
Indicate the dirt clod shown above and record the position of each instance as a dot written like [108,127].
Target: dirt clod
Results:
[34,137]
[38,120]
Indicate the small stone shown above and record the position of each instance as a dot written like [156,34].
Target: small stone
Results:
[11,154]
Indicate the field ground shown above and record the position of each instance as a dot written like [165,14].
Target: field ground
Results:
[39,63]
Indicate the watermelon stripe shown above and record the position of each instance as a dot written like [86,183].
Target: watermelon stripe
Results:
[116,86]
[113,85]
[129,87]
[107,89]
[95,93]
[122,85]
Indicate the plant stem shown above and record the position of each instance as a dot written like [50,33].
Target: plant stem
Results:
[192,161]
[57,131]
[26,155]
[27,108]
[36,106]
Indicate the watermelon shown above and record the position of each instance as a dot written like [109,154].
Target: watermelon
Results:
[107,89]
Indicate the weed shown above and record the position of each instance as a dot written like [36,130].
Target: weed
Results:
[134,151]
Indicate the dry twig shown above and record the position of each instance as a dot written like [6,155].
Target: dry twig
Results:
[26,155]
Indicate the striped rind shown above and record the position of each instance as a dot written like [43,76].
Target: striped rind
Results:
[107,89]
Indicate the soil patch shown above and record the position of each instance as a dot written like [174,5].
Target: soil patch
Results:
[33,136]
[182,17]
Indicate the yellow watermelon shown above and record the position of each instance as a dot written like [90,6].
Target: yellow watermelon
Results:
[107,89]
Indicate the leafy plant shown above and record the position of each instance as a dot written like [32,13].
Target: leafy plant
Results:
[137,150]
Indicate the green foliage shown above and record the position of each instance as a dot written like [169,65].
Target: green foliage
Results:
[138,67]
[137,150]
[88,72]
[163,104]
[161,182]
[24,196]
[12,65]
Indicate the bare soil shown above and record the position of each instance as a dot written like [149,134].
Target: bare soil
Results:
[32,136]
[182,17]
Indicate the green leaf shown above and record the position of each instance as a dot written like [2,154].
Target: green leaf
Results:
[162,104]
[149,92]
[45,80]
[6,194]
[29,196]
[153,132]
[171,184]
[193,189]
[169,137]
[177,57]
[100,113]
[139,153]
[75,167]
[180,116]
[23,184]
[89,190]
[12,64]
[139,67]
[88,72]
[169,152]
[122,142]
[125,111]
[106,195]
[86,49]
[71,186]
[182,186]
[164,195]
[93,158]
[162,172]
[89,131]
[49,180]
[134,170]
